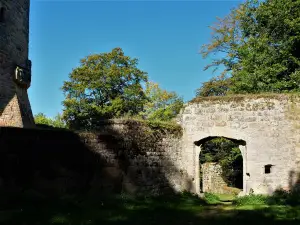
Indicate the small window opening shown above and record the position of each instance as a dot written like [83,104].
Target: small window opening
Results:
[268,169]
[2,15]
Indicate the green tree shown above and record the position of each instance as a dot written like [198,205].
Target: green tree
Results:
[216,86]
[227,36]
[42,119]
[270,59]
[161,105]
[104,86]
[258,45]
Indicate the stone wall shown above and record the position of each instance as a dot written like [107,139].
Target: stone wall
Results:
[269,124]
[132,157]
[212,181]
[212,178]
[120,156]
[15,108]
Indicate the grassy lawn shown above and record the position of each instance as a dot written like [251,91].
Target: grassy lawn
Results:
[226,197]
[175,210]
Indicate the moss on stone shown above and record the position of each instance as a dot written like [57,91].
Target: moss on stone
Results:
[148,126]
[293,113]
[240,98]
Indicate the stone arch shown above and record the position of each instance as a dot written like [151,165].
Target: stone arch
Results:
[242,146]
[203,140]
[268,125]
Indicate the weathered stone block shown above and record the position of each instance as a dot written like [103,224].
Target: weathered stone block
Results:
[220,123]
[14,38]
[250,119]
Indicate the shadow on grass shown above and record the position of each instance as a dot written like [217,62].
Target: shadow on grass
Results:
[55,177]
[121,209]
[117,158]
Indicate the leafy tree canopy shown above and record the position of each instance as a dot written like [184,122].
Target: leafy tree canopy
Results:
[161,105]
[216,86]
[104,86]
[259,44]
[42,119]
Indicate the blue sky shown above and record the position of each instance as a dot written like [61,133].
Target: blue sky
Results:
[165,36]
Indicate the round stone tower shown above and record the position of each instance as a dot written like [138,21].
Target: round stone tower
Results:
[15,67]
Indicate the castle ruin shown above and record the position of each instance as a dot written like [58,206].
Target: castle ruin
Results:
[130,156]
[266,128]
[15,67]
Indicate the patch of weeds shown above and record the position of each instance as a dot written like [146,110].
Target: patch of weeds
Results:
[191,199]
[156,125]
[183,208]
[251,199]
[59,219]
[211,198]
[282,197]
[226,197]
[242,97]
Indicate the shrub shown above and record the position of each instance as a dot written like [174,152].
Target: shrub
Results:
[190,198]
[279,197]
[211,198]
[251,200]
[282,197]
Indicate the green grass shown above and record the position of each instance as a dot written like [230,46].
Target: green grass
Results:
[251,200]
[212,199]
[226,197]
[176,210]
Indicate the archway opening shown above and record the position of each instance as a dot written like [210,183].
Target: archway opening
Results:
[221,165]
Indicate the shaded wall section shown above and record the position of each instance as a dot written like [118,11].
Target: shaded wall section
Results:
[122,156]
[15,109]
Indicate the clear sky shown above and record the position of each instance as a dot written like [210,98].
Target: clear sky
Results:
[165,36]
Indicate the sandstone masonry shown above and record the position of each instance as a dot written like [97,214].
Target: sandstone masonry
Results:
[15,68]
[129,156]
[132,158]
[121,156]
[268,124]
[212,180]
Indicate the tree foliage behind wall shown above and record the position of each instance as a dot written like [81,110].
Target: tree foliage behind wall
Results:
[161,105]
[42,119]
[216,86]
[110,85]
[228,155]
[104,86]
[259,44]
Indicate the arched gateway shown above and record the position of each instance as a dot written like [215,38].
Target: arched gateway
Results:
[210,174]
[266,128]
